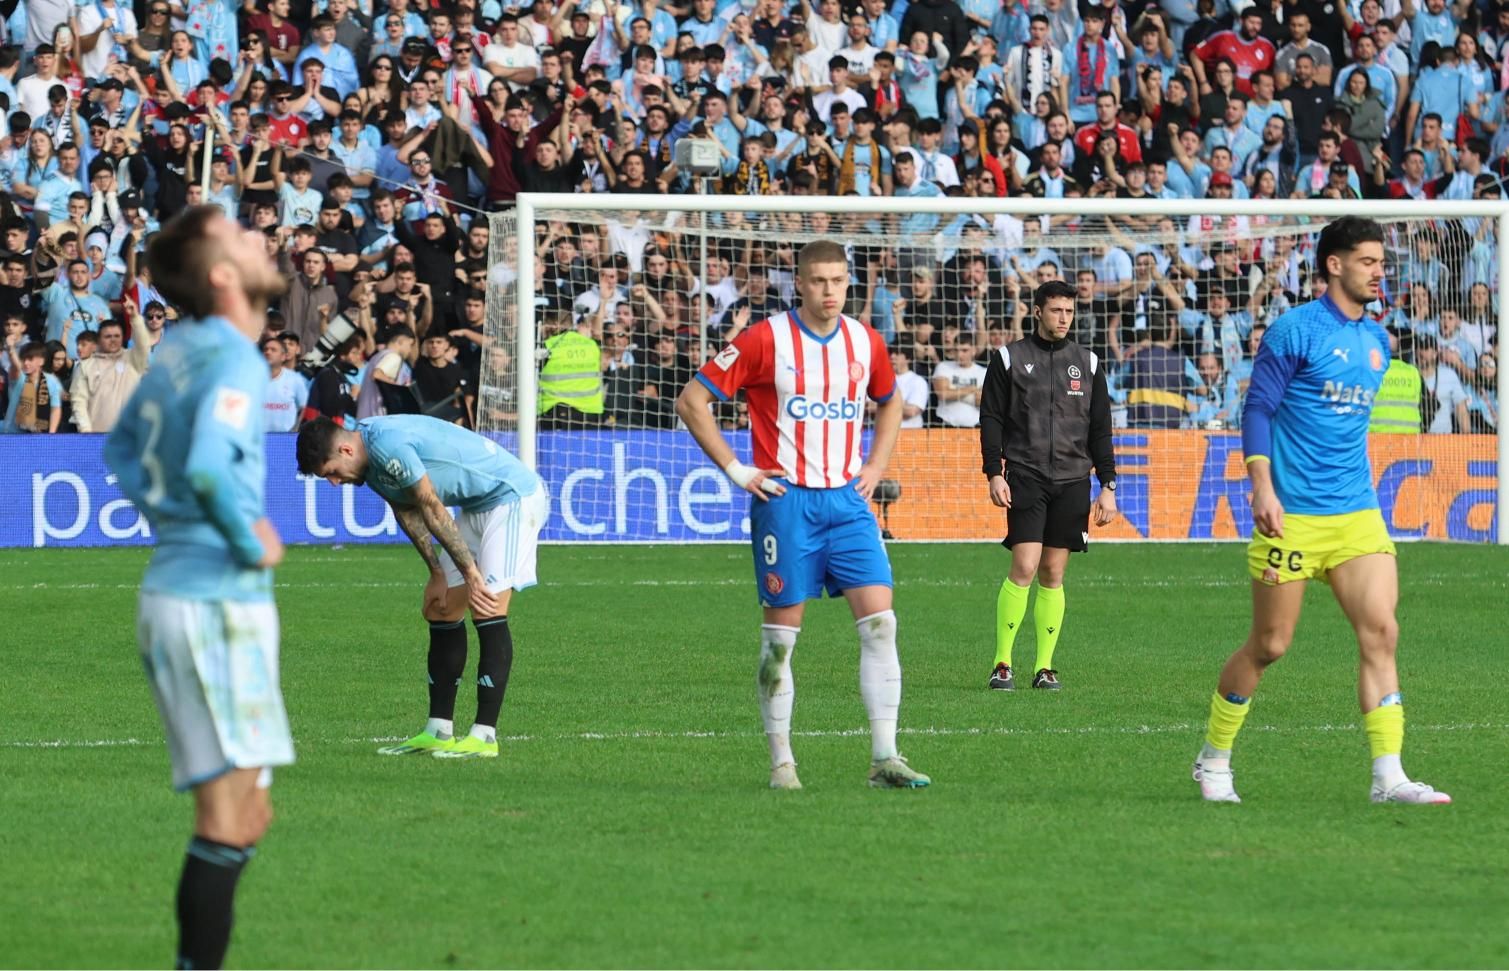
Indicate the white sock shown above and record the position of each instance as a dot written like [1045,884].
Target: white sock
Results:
[441,728]
[880,680]
[485,733]
[1215,758]
[776,688]
[1388,771]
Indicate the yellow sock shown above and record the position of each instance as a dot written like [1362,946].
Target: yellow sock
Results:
[1011,607]
[1048,616]
[1226,719]
[1385,728]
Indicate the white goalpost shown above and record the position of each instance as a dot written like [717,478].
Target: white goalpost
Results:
[944,277]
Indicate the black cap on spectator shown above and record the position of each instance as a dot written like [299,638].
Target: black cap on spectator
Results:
[100,123]
[415,46]
[111,84]
[130,200]
[970,127]
[1340,168]
[177,111]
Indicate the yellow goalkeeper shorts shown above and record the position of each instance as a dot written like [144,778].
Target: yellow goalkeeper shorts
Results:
[1312,546]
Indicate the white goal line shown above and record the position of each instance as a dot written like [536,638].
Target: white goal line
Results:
[931,731]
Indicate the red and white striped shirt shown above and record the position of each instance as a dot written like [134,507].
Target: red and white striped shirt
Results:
[806,394]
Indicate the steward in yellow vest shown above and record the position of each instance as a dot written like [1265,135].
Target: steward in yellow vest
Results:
[1396,407]
[571,381]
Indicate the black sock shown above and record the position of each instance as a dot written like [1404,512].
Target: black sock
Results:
[206,897]
[447,662]
[492,668]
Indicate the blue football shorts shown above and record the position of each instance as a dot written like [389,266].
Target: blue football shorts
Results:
[811,540]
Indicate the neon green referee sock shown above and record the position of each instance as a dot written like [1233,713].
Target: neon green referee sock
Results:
[1048,616]
[1011,607]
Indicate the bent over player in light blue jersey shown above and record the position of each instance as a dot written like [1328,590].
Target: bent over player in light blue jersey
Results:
[1315,510]
[421,466]
[188,453]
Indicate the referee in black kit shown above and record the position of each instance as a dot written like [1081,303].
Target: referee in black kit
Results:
[1045,419]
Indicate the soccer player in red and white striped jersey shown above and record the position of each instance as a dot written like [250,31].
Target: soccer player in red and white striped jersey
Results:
[806,374]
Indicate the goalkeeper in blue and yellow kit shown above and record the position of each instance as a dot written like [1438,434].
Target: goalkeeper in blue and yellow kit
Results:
[1314,509]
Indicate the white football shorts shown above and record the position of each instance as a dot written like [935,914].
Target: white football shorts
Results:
[213,667]
[503,541]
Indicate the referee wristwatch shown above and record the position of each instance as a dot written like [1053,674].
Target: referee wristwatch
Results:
[1109,485]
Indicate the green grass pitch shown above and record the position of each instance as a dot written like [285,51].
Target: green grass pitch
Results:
[628,823]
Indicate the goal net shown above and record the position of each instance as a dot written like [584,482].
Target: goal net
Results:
[1173,302]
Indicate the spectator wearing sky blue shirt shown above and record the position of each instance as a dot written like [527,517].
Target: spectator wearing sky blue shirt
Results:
[1439,89]
[53,192]
[1233,132]
[911,185]
[1433,22]
[73,308]
[1092,66]
[340,65]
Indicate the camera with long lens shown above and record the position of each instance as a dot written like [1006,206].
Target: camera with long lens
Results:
[336,333]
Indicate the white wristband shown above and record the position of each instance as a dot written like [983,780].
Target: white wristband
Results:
[742,475]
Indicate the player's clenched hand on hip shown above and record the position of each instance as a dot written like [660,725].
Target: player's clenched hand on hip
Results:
[756,481]
[1000,491]
[1267,512]
[272,544]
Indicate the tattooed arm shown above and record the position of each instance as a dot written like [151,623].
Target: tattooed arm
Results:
[411,521]
[425,516]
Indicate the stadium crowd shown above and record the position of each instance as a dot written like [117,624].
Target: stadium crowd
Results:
[367,140]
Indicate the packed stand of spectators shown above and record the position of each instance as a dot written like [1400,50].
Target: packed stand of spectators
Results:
[366,138]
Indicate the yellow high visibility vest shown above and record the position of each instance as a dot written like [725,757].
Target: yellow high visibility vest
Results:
[1396,407]
[573,375]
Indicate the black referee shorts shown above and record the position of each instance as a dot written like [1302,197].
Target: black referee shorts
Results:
[1056,514]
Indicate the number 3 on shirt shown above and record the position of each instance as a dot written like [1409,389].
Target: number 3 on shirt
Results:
[151,416]
[769,545]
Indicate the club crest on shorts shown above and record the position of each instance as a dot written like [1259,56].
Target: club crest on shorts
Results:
[774,584]
[856,372]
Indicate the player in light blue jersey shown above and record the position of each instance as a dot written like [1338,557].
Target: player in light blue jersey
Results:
[1314,508]
[188,452]
[421,466]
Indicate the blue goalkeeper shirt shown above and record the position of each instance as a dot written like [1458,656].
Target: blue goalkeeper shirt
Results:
[188,452]
[1308,405]
[466,469]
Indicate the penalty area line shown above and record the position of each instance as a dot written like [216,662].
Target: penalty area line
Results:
[921,731]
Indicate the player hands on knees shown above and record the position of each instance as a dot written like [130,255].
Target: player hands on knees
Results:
[423,466]
[795,487]
[1319,518]
[1037,462]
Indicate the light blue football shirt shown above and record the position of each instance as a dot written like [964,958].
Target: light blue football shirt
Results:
[1308,406]
[466,469]
[188,452]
